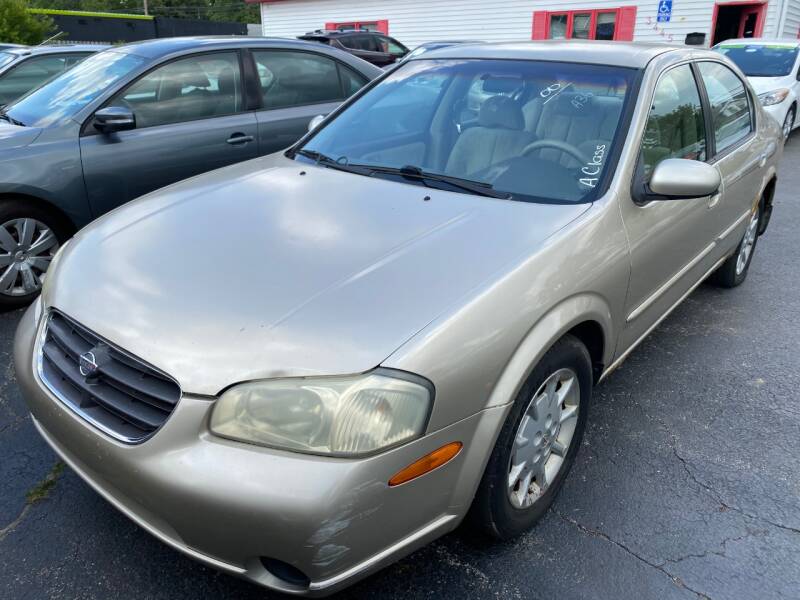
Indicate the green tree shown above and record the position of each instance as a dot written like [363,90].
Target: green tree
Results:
[18,26]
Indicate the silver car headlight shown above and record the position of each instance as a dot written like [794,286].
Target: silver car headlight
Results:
[336,416]
[773,97]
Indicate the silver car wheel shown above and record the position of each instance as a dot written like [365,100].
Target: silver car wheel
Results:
[26,248]
[788,123]
[543,438]
[748,242]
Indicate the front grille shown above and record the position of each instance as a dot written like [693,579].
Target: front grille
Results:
[114,391]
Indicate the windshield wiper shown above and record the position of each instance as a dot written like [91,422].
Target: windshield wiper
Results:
[478,188]
[332,163]
[12,120]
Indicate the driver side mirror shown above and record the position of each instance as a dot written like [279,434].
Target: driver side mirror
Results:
[314,123]
[680,178]
[114,118]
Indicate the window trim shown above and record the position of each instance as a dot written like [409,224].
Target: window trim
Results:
[593,12]
[718,156]
[259,107]
[638,191]
[86,127]
[382,25]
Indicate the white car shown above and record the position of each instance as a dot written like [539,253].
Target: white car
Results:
[773,68]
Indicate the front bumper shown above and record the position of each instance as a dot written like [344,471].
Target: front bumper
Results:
[778,111]
[229,504]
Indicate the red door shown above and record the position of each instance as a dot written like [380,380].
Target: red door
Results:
[748,21]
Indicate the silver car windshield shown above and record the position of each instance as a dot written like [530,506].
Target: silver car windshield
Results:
[67,94]
[534,131]
[6,58]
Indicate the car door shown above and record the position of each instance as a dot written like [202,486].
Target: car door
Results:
[671,241]
[296,86]
[191,117]
[738,153]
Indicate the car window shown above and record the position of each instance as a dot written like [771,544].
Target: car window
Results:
[6,58]
[675,126]
[730,105]
[351,81]
[296,78]
[359,42]
[76,57]
[387,44]
[198,87]
[533,131]
[29,75]
[761,60]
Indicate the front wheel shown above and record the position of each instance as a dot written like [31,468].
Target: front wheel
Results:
[537,444]
[734,270]
[788,123]
[29,238]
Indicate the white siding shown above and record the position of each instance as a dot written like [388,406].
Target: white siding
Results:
[410,21]
[791,24]
[416,21]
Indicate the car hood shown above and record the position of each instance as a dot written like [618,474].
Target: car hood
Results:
[768,84]
[271,268]
[14,136]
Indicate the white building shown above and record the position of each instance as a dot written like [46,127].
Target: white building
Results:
[416,21]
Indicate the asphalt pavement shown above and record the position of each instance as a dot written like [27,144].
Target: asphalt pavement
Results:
[687,484]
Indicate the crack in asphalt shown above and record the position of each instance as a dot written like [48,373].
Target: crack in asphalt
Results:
[604,536]
[36,494]
[724,543]
[717,496]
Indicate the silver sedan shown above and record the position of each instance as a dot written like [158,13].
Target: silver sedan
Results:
[300,368]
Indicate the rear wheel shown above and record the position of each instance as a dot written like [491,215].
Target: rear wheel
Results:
[538,443]
[29,238]
[734,270]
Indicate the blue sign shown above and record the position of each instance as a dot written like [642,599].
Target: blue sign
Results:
[664,11]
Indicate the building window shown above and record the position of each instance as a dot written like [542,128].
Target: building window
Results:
[381,25]
[589,24]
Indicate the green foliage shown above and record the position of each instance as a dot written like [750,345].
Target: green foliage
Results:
[18,26]
[212,10]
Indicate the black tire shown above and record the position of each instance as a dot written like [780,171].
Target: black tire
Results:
[788,123]
[492,512]
[726,275]
[20,208]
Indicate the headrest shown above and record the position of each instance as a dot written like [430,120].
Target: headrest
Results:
[194,78]
[501,111]
[575,104]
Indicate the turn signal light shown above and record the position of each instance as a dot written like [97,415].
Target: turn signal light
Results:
[427,463]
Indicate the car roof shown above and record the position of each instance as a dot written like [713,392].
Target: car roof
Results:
[323,33]
[55,49]
[159,47]
[622,54]
[761,41]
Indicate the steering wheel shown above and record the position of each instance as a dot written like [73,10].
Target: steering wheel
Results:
[556,144]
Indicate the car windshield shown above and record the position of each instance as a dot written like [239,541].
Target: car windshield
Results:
[534,131]
[6,58]
[761,60]
[67,94]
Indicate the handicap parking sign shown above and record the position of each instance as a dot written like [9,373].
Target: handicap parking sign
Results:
[664,11]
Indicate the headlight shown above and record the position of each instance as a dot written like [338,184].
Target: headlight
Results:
[773,97]
[337,416]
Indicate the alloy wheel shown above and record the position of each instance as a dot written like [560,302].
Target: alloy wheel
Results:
[26,248]
[746,249]
[788,123]
[543,438]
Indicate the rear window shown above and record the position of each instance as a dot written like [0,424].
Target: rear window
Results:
[761,60]
[6,58]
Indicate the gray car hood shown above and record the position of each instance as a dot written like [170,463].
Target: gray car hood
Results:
[272,268]
[14,136]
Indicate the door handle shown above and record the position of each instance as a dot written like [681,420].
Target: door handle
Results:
[239,138]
